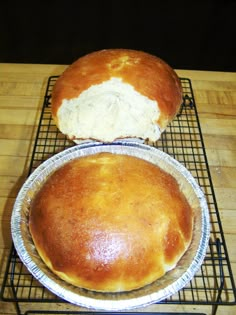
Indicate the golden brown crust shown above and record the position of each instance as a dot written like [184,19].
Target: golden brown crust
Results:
[110,222]
[148,74]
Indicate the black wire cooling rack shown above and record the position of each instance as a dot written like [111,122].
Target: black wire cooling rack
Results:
[213,285]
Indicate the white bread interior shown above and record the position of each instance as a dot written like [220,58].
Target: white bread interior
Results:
[115,94]
[108,111]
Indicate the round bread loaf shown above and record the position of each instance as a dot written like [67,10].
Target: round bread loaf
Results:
[116,93]
[110,222]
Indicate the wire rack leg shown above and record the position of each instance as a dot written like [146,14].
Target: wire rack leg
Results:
[221,273]
[16,303]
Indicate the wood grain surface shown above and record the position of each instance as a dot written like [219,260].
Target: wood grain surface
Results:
[22,88]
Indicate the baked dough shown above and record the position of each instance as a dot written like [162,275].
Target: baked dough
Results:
[110,222]
[116,93]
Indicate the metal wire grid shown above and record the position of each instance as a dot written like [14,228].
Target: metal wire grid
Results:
[214,283]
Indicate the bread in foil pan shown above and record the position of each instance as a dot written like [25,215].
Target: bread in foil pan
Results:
[169,284]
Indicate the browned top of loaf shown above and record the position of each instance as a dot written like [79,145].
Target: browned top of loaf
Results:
[110,222]
[148,74]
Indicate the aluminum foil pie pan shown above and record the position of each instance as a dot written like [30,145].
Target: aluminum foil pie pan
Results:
[169,284]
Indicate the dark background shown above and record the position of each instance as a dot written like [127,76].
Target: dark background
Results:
[187,34]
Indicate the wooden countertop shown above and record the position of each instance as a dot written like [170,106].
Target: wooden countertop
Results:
[22,88]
